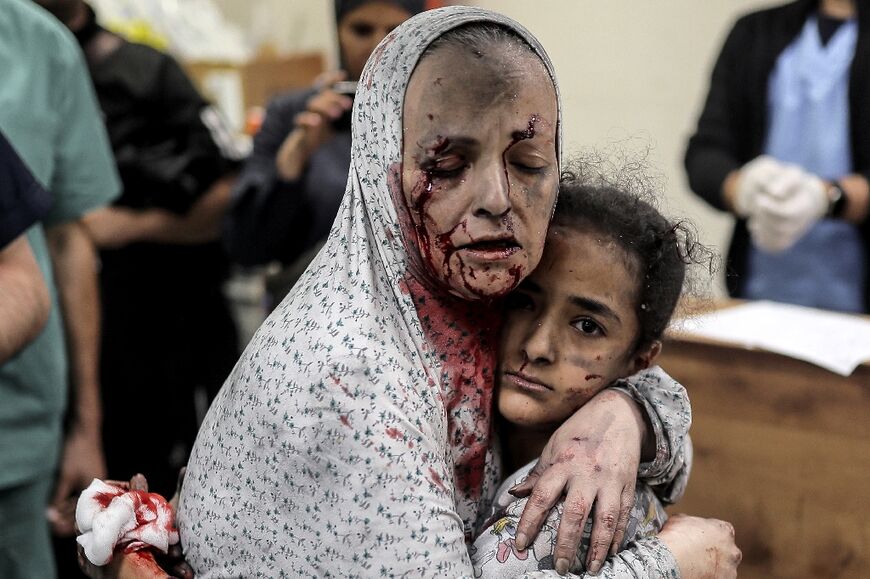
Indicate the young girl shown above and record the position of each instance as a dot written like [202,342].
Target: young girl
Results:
[592,313]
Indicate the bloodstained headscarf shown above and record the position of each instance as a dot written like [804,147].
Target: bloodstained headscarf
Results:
[353,436]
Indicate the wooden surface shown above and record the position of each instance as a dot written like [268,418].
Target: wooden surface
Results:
[782,450]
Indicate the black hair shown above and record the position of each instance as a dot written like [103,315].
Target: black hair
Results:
[656,249]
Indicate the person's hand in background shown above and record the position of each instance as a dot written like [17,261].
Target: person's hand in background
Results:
[780,201]
[748,184]
[787,208]
[314,126]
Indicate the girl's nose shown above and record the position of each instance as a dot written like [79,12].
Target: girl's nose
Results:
[539,347]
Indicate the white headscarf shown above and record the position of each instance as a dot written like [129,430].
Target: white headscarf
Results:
[353,435]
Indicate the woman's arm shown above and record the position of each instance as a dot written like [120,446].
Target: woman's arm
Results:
[593,460]
[668,414]
[494,553]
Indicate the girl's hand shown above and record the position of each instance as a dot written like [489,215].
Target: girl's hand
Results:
[703,548]
[592,460]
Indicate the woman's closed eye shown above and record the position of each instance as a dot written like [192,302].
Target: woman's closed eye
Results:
[588,327]
[532,166]
[446,168]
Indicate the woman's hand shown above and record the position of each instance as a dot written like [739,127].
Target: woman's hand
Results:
[703,548]
[141,564]
[592,460]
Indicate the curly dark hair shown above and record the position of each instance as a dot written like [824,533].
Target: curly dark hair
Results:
[621,208]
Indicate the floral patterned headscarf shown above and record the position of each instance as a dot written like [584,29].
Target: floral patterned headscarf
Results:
[360,414]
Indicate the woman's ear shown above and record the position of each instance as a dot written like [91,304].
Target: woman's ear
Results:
[647,357]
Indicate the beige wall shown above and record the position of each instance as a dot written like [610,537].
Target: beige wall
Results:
[636,71]
[286,25]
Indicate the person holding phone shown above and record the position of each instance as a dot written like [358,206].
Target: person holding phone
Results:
[289,191]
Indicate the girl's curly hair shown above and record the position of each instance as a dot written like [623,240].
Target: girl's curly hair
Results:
[620,206]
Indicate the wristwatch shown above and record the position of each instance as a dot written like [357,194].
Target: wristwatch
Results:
[836,200]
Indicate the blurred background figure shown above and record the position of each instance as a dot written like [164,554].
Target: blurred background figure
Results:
[26,302]
[289,191]
[50,117]
[783,142]
[168,337]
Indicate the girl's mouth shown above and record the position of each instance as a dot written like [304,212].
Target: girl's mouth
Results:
[523,382]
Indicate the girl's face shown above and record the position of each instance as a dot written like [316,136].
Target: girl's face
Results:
[479,166]
[361,30]
[570,329]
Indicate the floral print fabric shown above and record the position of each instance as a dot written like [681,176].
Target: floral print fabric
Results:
[352,439]
[641,554]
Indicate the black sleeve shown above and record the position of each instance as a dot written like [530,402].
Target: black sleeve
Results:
[180,160]
[23,201]
[267,221]
[712,151]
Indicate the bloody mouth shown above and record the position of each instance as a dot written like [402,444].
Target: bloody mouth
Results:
[491,250]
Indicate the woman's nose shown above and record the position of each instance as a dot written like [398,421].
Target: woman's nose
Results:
[493,193]
[539,347]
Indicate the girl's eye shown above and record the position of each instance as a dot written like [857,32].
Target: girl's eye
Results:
[589,327]
[519,301]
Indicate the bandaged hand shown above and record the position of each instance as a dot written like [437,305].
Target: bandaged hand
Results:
[111,516]
[780,201]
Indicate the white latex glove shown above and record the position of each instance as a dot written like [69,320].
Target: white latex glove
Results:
[786,209]
[755,177]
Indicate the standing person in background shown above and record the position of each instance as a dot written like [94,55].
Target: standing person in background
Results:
[783,142]
[168,335]
[289,191]
[50,116]
[25,301]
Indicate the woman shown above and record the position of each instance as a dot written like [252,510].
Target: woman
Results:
[291,186]
[353,437]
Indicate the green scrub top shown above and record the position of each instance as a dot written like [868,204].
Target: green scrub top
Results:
[48,112]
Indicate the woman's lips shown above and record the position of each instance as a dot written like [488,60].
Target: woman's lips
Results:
[492,250]
[523,382]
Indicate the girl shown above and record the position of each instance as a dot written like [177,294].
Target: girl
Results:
[590,315]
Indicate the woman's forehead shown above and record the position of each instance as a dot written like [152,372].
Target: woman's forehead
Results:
[475,86]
